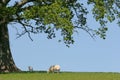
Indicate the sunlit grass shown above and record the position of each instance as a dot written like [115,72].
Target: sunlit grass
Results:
[61,76]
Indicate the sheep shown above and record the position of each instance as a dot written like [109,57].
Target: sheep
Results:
[54,68]
[30,68]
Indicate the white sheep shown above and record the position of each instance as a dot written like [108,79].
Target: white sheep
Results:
[30,68]
[54,68]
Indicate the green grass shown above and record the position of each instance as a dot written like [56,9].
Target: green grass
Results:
[61,76]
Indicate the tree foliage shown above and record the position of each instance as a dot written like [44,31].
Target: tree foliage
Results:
[105,11]
[49,16]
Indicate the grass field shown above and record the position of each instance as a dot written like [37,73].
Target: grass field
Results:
[61,76]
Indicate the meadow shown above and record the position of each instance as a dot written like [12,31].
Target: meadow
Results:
[61,76]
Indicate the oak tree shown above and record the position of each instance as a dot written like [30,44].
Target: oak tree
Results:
[50,16]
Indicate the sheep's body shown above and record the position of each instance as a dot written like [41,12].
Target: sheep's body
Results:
[30,68]
[54,68]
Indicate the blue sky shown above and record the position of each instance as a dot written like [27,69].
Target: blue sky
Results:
[85,54]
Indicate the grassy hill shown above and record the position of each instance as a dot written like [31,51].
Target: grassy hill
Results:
[61,76]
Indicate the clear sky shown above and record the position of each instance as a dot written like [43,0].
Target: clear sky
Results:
[85,54]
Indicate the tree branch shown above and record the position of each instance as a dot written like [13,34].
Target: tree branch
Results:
[22,3]
[25,30]
[88,31]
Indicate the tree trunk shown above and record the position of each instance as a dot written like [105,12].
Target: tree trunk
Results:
[6,61]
